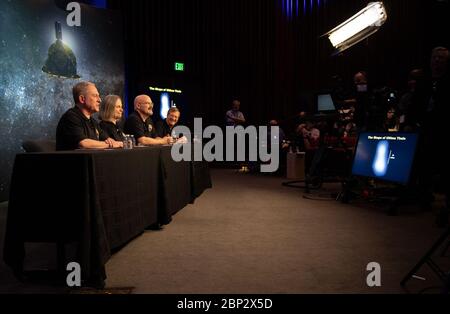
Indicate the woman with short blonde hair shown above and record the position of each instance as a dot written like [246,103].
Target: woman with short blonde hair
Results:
[111,110]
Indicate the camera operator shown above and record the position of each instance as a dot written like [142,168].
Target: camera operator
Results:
[361,102]
[382,114]
[409,113]
[311,136]
[392,122]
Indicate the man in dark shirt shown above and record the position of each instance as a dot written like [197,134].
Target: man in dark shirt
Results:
[433,99]
[140,124]
[165,127]
[76,128]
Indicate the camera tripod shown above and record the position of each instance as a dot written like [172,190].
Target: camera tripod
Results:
[427,259]
[313,177]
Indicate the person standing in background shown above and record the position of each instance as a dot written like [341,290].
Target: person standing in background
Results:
[235,117]
[433,97]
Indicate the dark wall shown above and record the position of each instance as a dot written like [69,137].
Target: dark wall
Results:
[227,46]
[251,50]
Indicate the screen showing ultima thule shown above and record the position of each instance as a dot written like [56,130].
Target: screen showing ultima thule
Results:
[385,156]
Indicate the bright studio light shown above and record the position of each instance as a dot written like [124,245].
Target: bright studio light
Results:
[358,27]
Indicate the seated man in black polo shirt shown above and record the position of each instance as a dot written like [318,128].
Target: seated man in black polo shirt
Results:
[140,123]
[166,126]
[76,128]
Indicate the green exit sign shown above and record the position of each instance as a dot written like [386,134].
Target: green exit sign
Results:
[179,66]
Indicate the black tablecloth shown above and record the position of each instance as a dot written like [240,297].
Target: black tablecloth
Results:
[176,177]
[99,199]
[200,178]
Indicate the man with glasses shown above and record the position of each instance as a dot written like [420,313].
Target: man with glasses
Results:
[165,127]
[140,123]
[76,128]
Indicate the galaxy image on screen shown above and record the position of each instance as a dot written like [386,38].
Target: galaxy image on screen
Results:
[41,59]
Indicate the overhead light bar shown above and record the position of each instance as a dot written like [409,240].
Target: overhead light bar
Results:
[358,27]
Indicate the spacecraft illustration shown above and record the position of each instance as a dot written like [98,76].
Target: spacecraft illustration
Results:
[61,61]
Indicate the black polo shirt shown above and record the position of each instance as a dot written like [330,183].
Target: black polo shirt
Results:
[112,130]
[139,128]
[163,129]
[74,127]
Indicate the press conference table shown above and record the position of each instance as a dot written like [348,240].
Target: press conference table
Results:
[98,199]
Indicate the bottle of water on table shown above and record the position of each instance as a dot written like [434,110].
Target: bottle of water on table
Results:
[126,141]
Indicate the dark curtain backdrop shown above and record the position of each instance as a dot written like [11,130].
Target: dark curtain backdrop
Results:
[251,50]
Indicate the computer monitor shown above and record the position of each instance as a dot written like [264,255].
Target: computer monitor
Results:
[325,103]
[385,156]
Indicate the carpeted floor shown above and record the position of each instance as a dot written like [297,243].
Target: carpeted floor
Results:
[249,234]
